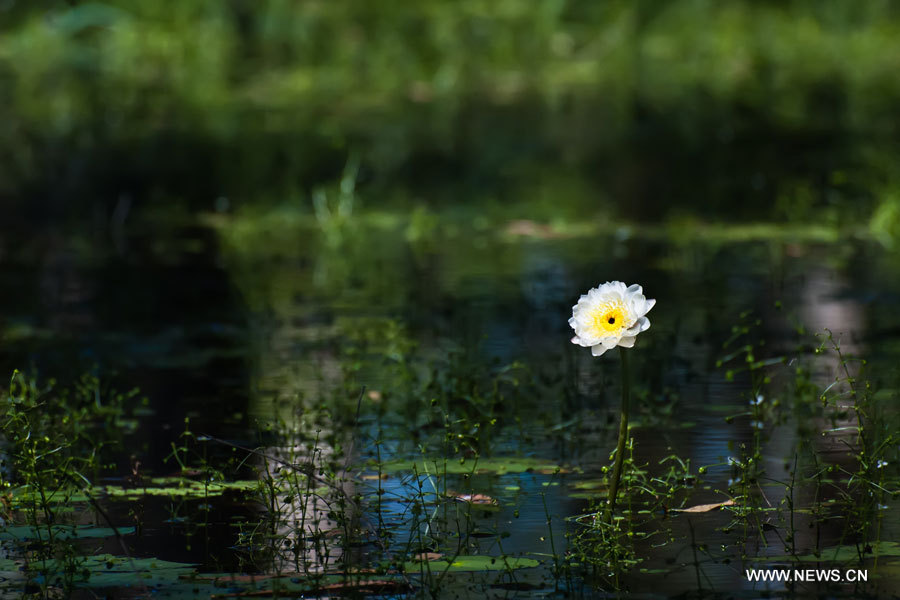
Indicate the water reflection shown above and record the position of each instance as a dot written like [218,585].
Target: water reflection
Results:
[277,315]
[505,299]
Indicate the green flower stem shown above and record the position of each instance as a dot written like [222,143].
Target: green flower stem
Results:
[623,434]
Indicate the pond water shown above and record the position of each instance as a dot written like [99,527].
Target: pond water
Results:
[427,362]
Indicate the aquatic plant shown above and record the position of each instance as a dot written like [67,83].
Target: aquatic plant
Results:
[55,440]
[828,397]
[608,316]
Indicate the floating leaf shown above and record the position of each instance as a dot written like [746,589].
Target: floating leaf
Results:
[473,563]
[25,495]
[591,488]
[104,570]
[591,484]
[702,508]
[173,487]
[492,466]
[480,499]
[27,533]
[431,556]
[180,487]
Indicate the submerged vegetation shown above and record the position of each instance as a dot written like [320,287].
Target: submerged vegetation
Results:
[330,499]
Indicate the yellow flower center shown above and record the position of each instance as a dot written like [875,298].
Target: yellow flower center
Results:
[609,319]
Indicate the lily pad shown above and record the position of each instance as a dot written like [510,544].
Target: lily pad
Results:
[103,570]
[488,466]
[481,500]
[591,488]
[173,487]
[26,533]
[180,487]
[23,496]
[473,563]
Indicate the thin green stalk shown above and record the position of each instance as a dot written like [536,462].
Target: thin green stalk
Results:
[623,435]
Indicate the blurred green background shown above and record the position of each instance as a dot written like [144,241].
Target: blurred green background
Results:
[541,109]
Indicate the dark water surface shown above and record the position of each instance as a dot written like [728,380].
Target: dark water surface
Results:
[234,324]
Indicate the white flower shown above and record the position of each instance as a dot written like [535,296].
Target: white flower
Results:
[610,315]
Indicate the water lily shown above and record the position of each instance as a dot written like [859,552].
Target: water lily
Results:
[610,315]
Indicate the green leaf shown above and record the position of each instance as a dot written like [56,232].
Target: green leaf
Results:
[472,563]
[27,533]
[492,466]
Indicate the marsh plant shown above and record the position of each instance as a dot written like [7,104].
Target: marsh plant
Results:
[603,551]
[399,488]
[350,506]
[56,442]
[813,405]
[838,449]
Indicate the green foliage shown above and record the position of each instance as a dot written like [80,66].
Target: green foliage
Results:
[193,56]
[447,98]
[479,466]
[57,437]
[806,400]
[56,440]
[603,549]
[885,221]
[790,392]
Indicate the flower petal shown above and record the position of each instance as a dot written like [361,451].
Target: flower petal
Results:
[627,341]
[638,305]
[598,350]
[640,325]
[609,342]
[650,304]
[634,289]
[582,342]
